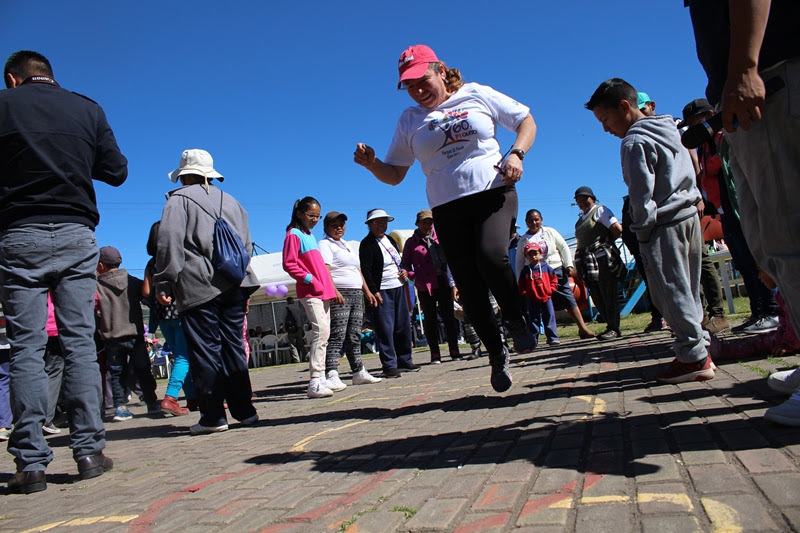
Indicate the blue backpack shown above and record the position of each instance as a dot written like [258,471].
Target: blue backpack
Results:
[230,257]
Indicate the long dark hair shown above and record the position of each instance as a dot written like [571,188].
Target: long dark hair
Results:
[152,239]
[300,206]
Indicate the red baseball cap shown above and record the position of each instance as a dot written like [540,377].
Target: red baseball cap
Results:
[531,246]
[414,61]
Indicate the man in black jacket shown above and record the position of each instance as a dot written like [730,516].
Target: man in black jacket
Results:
[53,143]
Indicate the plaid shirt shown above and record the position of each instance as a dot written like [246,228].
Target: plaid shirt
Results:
[588,267]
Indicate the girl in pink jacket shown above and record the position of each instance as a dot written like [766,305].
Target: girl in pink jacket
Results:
[303,261]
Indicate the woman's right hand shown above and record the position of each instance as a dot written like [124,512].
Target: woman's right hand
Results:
[364,155]
[371,301]
[378,299]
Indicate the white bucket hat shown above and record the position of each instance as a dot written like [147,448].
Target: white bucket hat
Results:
[372,214]
[197,162]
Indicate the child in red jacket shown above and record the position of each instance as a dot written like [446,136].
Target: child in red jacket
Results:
[537,282]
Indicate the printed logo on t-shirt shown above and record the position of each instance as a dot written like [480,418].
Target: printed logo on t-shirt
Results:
[455,126]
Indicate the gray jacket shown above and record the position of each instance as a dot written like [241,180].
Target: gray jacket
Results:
[659,174]
[118,297]
[186,243]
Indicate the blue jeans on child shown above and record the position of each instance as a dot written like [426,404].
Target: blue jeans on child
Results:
[542,313]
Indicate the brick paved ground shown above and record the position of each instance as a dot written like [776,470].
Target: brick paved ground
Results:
[585,440]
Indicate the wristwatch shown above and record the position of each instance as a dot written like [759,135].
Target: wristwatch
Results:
[519,153]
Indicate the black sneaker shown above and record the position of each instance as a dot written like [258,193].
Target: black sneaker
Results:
[476,353]
[456,356]
[409,368]
[501,378]
[524,341]
[391,373]
[740,328]
[763,325]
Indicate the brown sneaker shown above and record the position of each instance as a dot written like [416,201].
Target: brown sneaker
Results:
[716,324]
[679,372]
[169,406]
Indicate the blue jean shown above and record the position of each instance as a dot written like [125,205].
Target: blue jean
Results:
[59,258]
[122,353]
[391,321]
[213,333]
[179,378]
[766,168]
[5,400]
[542,314]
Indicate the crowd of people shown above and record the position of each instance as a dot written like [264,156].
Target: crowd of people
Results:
[198,280]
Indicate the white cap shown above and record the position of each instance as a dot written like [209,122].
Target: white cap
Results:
[198,162]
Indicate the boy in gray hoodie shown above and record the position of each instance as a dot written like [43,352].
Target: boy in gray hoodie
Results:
[663,204]
[121,327]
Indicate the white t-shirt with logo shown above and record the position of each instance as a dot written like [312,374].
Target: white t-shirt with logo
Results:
[455,143]
[344,263]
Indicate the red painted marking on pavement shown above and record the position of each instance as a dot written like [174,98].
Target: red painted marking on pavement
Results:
[489,498]
[563,493]
[143,522]
[415,401]
[346,499]
[491,521]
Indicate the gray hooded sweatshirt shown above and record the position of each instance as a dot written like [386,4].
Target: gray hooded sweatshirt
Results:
[186,243]
[659,174]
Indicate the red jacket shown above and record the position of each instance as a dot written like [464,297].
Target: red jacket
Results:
[538,282]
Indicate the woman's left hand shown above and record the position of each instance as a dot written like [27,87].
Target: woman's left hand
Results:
[512,169]
[403,275]
[339,297]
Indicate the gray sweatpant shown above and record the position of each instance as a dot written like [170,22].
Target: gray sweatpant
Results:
[673,258]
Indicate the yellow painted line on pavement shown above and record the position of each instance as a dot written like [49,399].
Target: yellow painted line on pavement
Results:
[599,404]
[82,522]
[724,518]
[593,500]
[301,445]
[678,499]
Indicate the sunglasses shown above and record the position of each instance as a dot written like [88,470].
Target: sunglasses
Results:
[499,166]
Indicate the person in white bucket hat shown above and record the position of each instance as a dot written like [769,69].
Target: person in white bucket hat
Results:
[212,308]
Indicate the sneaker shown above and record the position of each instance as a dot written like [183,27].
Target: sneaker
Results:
[763,325]
[740,328]
[50,429]
[333,382]
[392,373]
[553,342]
[169,406]
[200,429]
[250,420]
[476,353]
[5,433]
[787,413]
[121,414]
[362,377]
[655,325]
[501,378]
[154,408]
[785,382]
[436,359]
[609,335]
[524,341]
[409,368]
[716,324]
[317,389]
[679,372]
[456,356]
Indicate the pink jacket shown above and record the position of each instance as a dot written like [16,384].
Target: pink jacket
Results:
[302,261]
[417,261]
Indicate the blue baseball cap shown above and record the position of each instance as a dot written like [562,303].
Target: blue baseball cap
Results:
[643,99]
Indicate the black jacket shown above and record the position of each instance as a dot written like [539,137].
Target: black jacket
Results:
[371,258]
[52,144]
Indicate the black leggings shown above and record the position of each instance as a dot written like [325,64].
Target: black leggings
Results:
[474,232]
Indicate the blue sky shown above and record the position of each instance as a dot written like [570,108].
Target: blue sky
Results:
[280,93]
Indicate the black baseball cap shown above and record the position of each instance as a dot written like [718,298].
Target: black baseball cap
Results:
[694,108]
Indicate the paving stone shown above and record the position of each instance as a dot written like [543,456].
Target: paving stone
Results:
[608,517]
[498,497]
[765,460]
[663,498]
[670,524]
[718,478]
[437,515]
[703,456]
[461,486]
[744,512]
[656,468]
[782,489]
[554,480]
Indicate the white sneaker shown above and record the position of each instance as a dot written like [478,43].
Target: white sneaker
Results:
[333,382]
[362,377]
[317,389]
[785,382]
[787,413]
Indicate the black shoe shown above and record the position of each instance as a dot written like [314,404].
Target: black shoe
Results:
[456,356]
[94,465]
[501,377]
[409,368]
[27,482]
[524,341]
[476,353]
[391,373]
